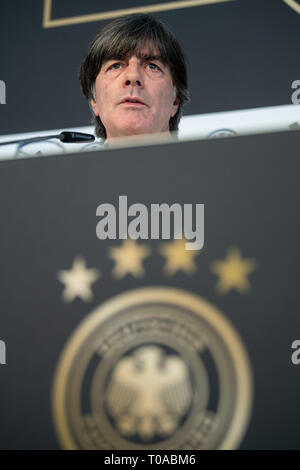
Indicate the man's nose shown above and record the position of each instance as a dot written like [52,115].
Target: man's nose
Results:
[133,75]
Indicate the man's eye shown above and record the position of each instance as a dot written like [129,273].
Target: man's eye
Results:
[153,66]
[115,66]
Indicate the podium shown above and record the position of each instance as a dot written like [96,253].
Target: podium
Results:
[142,344]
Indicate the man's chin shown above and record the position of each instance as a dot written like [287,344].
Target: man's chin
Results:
[135,128]
[139,138]
[129,127]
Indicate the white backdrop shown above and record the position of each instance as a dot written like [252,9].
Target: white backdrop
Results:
[202,126]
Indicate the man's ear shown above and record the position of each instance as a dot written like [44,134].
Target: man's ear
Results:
[94,107]
[175,106]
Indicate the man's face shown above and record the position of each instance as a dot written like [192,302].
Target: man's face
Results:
[138,77]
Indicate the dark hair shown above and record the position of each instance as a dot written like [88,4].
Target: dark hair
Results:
[129,34]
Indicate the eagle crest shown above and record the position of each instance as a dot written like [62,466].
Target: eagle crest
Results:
[149,392]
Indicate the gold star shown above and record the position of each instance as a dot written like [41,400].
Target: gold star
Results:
[78,281]
[128,258]
[178,257]
[233,272]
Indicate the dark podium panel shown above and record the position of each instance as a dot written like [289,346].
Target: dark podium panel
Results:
[116,344]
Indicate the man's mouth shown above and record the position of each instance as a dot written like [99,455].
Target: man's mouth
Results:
[133,101]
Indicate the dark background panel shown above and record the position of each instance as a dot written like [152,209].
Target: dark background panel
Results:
[241,54]
[250,189]
[64,8]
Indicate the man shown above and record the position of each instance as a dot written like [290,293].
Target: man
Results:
[134,77]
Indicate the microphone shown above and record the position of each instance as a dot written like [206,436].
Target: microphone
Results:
[66,136]
[73,137]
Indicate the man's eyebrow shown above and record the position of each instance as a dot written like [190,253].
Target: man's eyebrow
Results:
[143,57]
[148,57]
[115,57]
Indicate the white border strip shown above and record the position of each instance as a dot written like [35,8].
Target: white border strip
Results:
[201,126]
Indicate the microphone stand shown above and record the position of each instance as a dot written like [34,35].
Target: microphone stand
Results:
[66,136]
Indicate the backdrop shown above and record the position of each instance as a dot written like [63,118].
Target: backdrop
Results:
[241,54]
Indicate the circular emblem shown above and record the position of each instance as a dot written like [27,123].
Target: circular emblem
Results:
[220,133]
[153,368]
